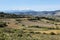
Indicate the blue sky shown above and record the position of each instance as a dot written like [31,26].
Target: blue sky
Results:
[39,5]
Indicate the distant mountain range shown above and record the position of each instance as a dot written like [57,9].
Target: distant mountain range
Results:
[35,13]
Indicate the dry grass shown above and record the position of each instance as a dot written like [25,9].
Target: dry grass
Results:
[31,33]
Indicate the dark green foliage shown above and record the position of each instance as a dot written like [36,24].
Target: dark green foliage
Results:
[23,25]
[52,33]
[44,33]
[18,20]
[32,32]
[37,32]
[12,15]
[35,26]
[34,19]
[3,24]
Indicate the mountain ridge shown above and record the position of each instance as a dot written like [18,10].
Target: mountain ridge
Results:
[32,12]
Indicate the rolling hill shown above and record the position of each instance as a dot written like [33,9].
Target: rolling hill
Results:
[35,13]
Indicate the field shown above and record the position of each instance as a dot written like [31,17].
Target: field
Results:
[29,29]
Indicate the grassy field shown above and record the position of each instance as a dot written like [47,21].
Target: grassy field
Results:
[28,29]
[24,34]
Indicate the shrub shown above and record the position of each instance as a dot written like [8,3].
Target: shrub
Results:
[44,33]
[35,26]
[37,32]
[3,24]
[23,25]
[18,20]
[52,33]
[32,32]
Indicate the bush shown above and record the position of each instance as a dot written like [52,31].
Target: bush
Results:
[44,33]
[52,33]
[18,20]
[37,32]
[32,32]
[34,26]
[3,24]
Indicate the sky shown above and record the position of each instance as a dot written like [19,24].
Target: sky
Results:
[38,5]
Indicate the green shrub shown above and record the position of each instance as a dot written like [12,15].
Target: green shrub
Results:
[52,33]
[34,26]
[44,33]
[3,24]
